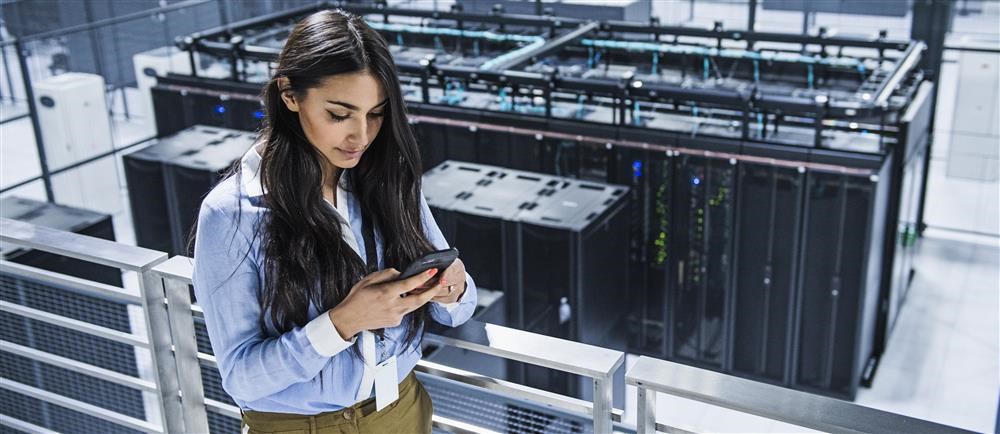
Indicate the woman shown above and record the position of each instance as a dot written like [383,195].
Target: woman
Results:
[296,254]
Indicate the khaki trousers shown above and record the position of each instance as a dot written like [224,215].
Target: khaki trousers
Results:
[411,413]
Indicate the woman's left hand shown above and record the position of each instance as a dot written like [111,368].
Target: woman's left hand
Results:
[454,278]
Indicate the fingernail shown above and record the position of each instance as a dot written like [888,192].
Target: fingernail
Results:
[432,271]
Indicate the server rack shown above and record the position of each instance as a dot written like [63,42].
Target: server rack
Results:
[572,263]
[704,214]
[838,284]
[147,188]
[191,176]
[769,203]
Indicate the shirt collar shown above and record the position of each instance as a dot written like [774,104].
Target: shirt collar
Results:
[252,185]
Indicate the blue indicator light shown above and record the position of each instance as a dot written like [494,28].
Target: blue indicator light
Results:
[695,181]
[259,114]
[220,109]
[637,168]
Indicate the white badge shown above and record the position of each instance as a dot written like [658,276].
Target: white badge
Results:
[386,385]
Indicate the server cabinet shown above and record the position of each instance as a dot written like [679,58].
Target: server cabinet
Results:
[147,191]
[838,286]
[433,146]
[767,240]
[192,175]
[574,279]
[902,222]
[704,217]
[486,219]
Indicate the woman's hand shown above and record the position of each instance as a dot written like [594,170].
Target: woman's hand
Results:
[375,301]
[453,281]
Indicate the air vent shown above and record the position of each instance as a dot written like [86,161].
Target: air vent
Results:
[484,208]
[469,169]
[550,219]
[529,178]
[592,187]
[591,216]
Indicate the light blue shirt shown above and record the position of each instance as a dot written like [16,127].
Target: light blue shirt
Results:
[309,369]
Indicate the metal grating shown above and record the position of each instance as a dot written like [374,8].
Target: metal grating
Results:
[71,344]
[219,424]
[212,383]
[64,302]
[54,417]
[72,384]
[496,412]
[201,335]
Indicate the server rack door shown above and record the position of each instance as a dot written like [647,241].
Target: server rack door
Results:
[547,270]
[648,176]
[461,143]
[604,289]
[148,203]
[433,144]
[704,193]
[480,241]
[530,153]
[170,110]
[834,253]
[493,148]
[209,110]
[770,201]
[660,176]
[187,186]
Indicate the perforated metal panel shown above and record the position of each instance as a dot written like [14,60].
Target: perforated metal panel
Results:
[497,412]
[67,343]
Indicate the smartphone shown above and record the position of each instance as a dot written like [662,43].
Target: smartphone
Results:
[440,259]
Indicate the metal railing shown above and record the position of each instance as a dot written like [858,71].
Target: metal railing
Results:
[125,258]
[597,363]
[651,375]
[176,380]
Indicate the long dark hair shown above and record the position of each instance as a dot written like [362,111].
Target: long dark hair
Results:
[307,259]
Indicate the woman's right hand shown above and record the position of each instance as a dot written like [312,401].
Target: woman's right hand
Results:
[375,302]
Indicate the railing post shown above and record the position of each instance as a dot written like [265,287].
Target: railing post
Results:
[602,404]
[646,421]
[164,364]
[186,354]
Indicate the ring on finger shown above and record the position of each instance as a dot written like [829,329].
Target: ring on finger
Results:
[451,288]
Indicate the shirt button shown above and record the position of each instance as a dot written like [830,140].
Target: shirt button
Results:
[349,413]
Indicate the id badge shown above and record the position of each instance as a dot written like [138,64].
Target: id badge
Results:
[386,384]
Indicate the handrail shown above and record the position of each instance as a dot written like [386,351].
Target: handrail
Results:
[121,256]
[168,280]
[760,399]
[597,363]
[77,246]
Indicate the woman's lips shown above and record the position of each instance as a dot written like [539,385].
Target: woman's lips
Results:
[350,154]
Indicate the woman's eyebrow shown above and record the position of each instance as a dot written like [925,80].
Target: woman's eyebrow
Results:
[354,107]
